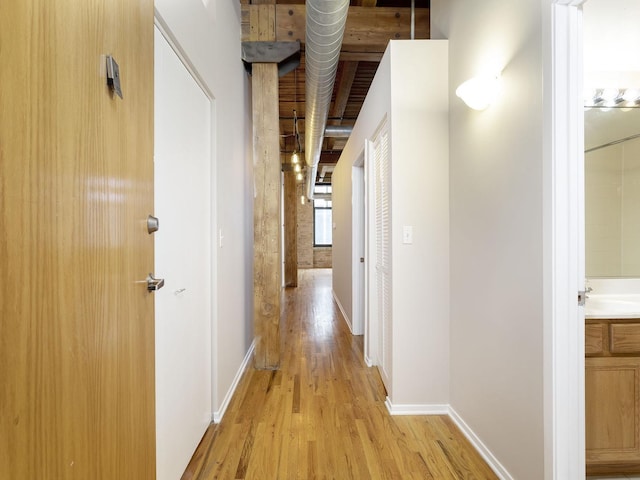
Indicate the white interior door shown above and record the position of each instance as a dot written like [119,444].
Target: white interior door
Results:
[384,322]
[183,123]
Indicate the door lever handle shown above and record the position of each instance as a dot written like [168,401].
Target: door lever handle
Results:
[154,284]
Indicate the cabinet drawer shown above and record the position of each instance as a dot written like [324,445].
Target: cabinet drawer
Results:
[625,337]
[594,339]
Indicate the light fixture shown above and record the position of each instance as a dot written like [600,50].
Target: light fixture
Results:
[631,95]
[479,92]
[297,167]
[295,158]
[302,199]
[606,98]
[299,176]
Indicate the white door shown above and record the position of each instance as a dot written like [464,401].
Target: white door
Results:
[183,123]
[382,199]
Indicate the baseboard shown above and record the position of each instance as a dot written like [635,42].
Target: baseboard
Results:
[426,409]
[482,449]
[217,416]
[445,409]
[344,314]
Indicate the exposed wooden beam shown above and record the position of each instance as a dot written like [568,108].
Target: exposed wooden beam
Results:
[345,82]
[290,229]
[367,29]
[360,56]
[266,154]
[343,88]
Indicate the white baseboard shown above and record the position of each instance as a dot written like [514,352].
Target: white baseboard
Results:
[427,409]
[217,416]
[482,449]
[446,409]
[344,314]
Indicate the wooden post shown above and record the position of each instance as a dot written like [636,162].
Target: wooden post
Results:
[267,278]
[290,229]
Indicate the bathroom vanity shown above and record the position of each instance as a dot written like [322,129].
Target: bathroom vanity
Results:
[612,387]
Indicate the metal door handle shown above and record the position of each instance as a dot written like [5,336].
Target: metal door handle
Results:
[154,284]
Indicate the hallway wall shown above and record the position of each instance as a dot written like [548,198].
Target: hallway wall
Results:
[413,100]
[208,33]
[497,228]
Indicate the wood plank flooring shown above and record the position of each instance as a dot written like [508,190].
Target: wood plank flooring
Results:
[322,415]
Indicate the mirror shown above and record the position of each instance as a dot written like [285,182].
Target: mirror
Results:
[612,192]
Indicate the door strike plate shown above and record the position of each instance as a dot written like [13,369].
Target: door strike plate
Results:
[582,297]
[113,76]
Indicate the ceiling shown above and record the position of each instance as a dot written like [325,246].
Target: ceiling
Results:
[370,25]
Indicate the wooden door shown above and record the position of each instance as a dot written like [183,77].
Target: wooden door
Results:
[612,387]
[76,185]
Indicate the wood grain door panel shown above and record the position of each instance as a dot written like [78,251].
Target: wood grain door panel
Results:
[612,387]
[76,184]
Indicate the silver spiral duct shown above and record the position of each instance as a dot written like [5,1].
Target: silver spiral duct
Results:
[326,20]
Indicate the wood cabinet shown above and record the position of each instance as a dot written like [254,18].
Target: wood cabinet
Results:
[612,403]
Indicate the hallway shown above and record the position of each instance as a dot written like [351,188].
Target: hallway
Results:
[322,415]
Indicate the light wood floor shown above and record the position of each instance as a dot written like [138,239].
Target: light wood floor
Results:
[322,415]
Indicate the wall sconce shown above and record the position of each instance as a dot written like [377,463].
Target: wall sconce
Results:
[479,92]
[297,168]
[295,158]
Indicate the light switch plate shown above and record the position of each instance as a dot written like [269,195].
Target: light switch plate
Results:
[407,234]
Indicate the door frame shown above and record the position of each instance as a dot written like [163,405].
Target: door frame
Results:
[359,229]
[371,327]
[563,218]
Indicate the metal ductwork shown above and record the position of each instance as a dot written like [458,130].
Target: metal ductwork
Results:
[338,131]
[326,20]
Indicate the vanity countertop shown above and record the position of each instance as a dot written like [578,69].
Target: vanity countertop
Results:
[620,306]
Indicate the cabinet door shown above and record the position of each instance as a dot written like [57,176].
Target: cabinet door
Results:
[612,410]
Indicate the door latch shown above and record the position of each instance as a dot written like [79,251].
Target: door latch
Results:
[582,297]
[154,284]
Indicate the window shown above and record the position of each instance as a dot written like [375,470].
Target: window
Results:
[322,223]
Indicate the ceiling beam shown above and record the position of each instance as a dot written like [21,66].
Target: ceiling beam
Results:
[343,88]
[365,3]
[367,29]
[346,56]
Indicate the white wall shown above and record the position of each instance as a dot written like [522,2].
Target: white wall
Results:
[342,248]
[420,194]
[209,39]
[373,111]
[497,228]
[410,90]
